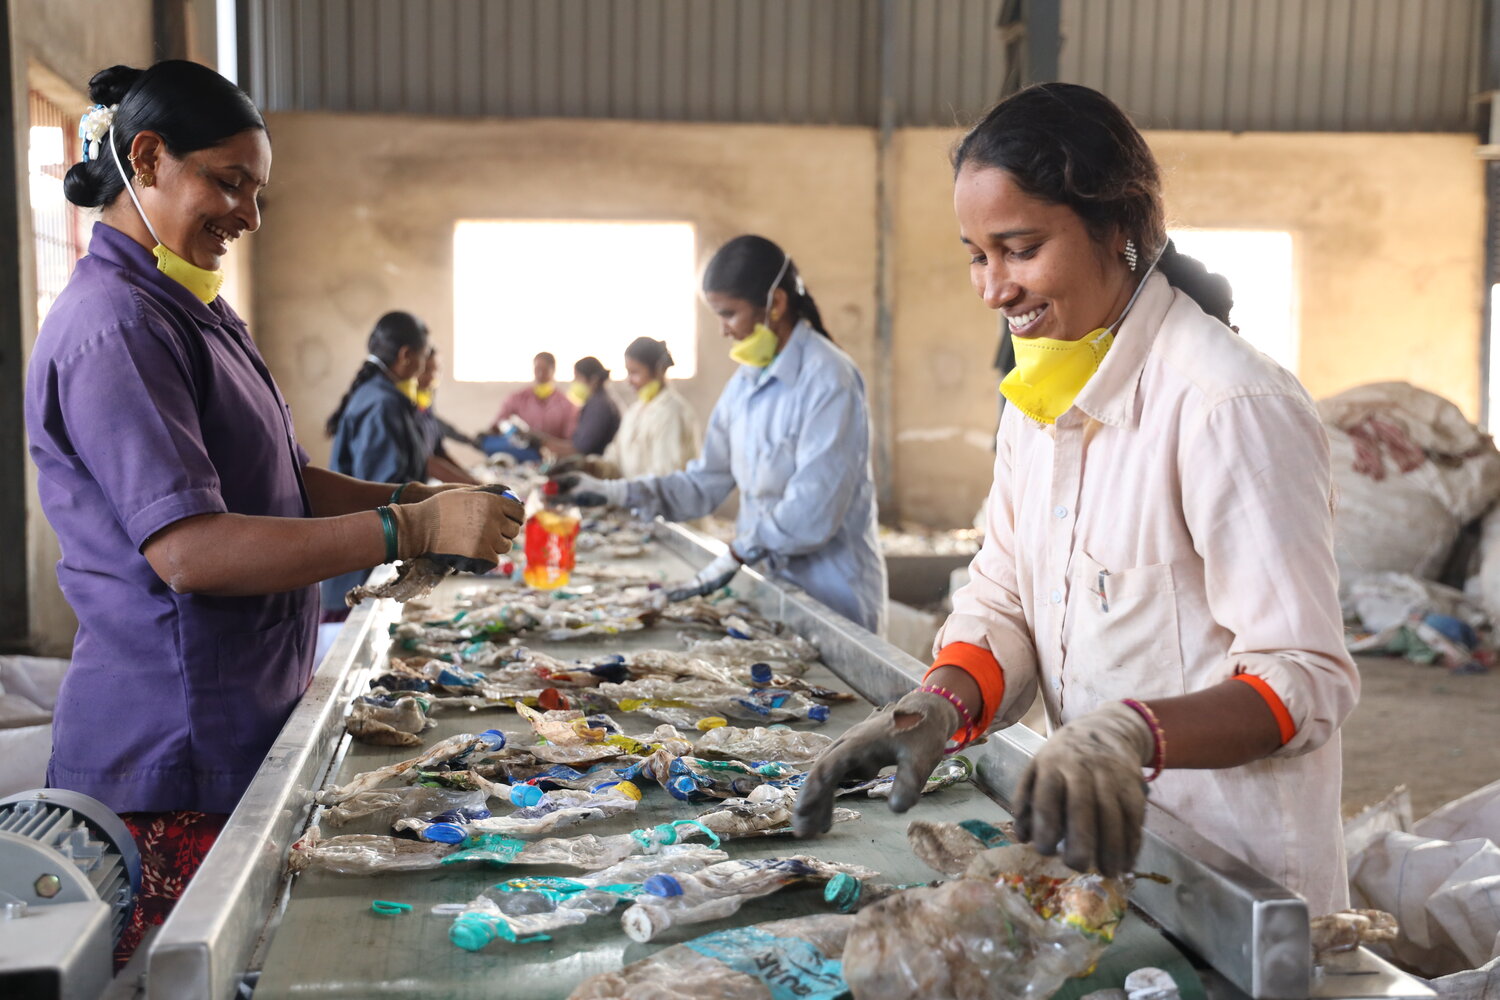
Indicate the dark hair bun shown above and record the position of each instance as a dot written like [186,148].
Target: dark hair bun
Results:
[82,185]
[109,86]
[1210,290]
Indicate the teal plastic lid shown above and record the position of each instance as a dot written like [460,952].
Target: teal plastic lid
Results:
[843,892]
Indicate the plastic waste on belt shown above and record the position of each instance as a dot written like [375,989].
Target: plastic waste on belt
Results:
[720,890]
[793,959]
[530,909]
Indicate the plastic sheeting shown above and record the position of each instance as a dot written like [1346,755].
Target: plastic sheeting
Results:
[1442,882]
[28,692]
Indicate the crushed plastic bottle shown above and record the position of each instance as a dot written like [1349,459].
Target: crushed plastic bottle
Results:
[693,779]
[532,908]
[787,745]
[783,959]
[562,808]
[720,890]
[551,546]
[950,771]
[383,806]
[364,854]
[683,703]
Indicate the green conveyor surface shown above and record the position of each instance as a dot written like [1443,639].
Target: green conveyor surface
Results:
[330,944]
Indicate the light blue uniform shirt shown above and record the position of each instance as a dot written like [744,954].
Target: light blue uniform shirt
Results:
[795,439]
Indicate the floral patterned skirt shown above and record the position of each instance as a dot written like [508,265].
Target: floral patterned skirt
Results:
[172,845]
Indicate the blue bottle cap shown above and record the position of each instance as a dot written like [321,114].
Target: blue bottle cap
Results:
[494,739]
[843,892]
[444,833]
[612,660]
[662,885]
[525,795]
[818,713]
[760,673]
[735,633]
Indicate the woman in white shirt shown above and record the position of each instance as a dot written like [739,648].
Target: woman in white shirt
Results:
[659,432]
[1159,547]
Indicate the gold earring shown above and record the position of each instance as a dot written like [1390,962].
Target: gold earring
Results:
[131,157]
[146,178]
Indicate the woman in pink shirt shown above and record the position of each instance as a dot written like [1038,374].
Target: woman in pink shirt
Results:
[546,411]
[1158,555]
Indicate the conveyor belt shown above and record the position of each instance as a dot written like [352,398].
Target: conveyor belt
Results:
[321,939]
[330,943]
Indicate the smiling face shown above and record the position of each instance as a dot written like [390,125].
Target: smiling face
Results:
[205,200]
[638,373]
[1036,261]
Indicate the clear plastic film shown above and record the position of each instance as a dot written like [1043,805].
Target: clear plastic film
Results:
[943,943]
[386,805]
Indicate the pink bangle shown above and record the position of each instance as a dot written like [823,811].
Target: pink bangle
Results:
[1158,737]
[963,713]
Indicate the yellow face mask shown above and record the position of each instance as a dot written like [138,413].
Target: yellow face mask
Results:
[579,393]
[423,399]
[408,388]
[759,349]
[756,350]
[649,391]
[544,390]
[203,283]
[1049,374]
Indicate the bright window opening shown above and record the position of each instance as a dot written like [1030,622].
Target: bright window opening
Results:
[1492,412]
[55,221]
[1260,269]
[574,289]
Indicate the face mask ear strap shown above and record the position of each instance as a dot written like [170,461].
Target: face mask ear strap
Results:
[1138,289]
[128,189]
[786,262]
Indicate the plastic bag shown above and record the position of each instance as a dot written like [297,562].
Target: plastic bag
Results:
[985,935]
[782,959]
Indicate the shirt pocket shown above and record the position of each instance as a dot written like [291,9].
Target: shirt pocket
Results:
[1121,634]
[261,675]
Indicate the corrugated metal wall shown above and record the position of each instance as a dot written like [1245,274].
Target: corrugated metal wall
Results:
[792,61]
[1279,65]
[1321,65]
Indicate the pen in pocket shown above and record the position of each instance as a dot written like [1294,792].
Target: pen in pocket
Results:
[1102,593]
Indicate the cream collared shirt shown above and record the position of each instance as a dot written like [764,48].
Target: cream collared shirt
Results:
[1173,529]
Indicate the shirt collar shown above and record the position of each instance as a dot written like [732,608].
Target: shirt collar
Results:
[1110,396]
[109,244]
[787,365]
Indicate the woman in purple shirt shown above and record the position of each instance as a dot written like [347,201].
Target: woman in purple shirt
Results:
[191,525]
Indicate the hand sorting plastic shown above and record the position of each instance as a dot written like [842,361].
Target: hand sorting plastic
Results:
[911,733]
[590,491]
[720,890]
[532,908]
[710,579]
[1083,793]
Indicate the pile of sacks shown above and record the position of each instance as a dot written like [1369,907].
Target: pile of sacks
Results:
[1411,473]
[1440,877]
[28,691]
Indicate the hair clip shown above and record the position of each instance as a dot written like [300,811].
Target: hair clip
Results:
[94,126]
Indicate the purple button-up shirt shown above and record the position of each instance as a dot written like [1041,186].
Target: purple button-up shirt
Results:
[144,406]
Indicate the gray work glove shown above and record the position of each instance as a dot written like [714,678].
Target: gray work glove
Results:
[911,734]
[1084,791]
[590,491]
[710,578]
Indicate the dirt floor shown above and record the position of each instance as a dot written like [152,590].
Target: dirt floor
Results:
[1437,733]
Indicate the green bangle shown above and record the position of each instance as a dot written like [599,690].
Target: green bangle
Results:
[396,493]
[388,525]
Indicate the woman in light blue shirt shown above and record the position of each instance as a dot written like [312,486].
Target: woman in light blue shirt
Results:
[791,432]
